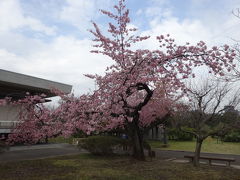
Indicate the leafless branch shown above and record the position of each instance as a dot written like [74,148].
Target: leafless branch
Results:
[236,12]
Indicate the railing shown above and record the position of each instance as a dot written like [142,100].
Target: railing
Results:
[8,124]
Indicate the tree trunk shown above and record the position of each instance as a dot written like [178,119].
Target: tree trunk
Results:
[197,152]
[46,140]
[164,136]
[136,138]
[138,151]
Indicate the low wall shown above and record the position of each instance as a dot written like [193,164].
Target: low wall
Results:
[8,117]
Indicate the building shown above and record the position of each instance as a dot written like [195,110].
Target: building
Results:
[16,85]
[231,109]
[156,133]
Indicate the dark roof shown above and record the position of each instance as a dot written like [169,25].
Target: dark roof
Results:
[16,85]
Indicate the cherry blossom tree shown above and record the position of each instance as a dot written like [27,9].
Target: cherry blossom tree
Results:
[35,121]
[130,89]
[77,114]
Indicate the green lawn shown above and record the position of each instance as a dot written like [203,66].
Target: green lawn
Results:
[209,145]
[61,139]
[88,167]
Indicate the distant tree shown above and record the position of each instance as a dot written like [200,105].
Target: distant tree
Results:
[236,12]
[234,75]
[210,112]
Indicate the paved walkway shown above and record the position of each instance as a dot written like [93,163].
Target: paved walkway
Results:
[169,154]
[18,153]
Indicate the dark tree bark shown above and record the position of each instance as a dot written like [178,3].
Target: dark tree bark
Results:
[134,130]
[46,140]
[136,139]
[197,151]
[164,135]
[138,149]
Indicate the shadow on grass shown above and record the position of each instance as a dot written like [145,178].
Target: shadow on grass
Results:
[89,167]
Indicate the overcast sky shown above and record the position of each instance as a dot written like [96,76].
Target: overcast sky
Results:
[49,38]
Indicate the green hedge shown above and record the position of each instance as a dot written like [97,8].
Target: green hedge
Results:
[233,136]
[3,147]
[178,135]
[105,145]
[101,145]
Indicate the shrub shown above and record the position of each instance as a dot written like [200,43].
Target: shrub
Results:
[178,135]
[107,145]
[233,136]
[3,147]
[101,145]
[79,134]
[60,139]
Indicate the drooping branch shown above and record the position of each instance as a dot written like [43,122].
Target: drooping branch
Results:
[158,121]
[236,12]
[139,87]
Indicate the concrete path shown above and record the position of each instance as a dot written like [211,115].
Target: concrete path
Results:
[17,153]
[169,154]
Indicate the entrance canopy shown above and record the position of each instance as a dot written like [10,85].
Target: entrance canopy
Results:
[16,85]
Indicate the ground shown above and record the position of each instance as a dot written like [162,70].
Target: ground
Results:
[17,153]
[89,167]
[16,163]
[210,145]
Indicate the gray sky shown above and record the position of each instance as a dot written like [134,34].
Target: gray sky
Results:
[49,38]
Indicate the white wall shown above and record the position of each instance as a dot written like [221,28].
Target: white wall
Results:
[8,117]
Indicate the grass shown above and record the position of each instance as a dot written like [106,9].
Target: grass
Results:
[209,145]
[89,167]
[61,139]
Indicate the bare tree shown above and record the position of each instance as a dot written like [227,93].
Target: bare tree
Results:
[236,12]
[208,104]
[234,75]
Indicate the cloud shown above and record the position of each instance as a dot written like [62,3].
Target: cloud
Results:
[12,17]
[9,58]
[65,60]
[156,9]
[20,44]
[80,13]
[182,31]
[200,20]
